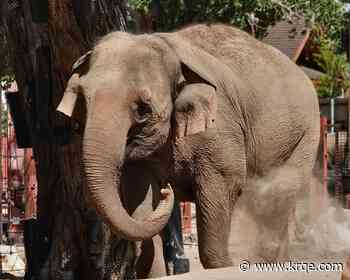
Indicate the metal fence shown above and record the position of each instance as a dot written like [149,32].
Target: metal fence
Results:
[338,163]
[342,168]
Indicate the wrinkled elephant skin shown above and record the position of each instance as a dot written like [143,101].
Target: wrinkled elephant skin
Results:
[207,108]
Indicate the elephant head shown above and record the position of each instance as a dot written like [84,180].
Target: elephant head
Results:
[132,85]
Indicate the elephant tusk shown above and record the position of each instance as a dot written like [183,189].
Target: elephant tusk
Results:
[166,191]
[70,96]
[166,204]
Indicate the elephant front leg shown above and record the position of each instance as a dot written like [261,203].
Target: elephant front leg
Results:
[215,166]
[214,205]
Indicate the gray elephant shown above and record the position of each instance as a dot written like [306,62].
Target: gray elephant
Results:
[206,108]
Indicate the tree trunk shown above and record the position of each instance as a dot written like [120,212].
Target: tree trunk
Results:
[46,38]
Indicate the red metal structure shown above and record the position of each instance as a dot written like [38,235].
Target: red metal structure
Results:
[324,128]
[186,217]
[18,185]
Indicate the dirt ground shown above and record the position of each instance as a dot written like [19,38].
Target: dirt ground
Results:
[326,240]
[235,274]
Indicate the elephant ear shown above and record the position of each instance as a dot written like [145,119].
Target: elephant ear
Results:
[196,100]
[70,95]
[195,109]
[196,64]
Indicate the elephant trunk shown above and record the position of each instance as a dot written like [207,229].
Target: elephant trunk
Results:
[103,159]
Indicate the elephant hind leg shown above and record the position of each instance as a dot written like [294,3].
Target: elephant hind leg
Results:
[269,201]
[282,194]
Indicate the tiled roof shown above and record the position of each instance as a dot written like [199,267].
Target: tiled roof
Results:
[289,36]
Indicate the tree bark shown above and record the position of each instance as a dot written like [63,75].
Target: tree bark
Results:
[46,38]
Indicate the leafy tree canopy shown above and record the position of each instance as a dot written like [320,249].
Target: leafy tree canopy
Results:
[250,15]
[336,68]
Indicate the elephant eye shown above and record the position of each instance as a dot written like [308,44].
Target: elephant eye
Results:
[141,111]
[180,86]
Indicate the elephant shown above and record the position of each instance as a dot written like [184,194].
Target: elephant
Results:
[206,108]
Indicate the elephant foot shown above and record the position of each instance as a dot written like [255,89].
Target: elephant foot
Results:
[268,251]
[215,262]
[273,251]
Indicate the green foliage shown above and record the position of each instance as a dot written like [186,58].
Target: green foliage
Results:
[330,14]
[6,80]
[250,15]
[4,121]
[336,68]
[140,5]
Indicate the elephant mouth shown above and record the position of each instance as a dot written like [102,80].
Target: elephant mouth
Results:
[145,145]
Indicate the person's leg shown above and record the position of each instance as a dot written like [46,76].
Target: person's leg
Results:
[174,252]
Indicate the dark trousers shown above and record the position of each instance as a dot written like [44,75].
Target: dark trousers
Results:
[174,253]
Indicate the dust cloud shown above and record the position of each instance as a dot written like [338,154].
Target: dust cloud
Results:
[318,229]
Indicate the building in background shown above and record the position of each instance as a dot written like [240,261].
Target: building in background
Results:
[291,37]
